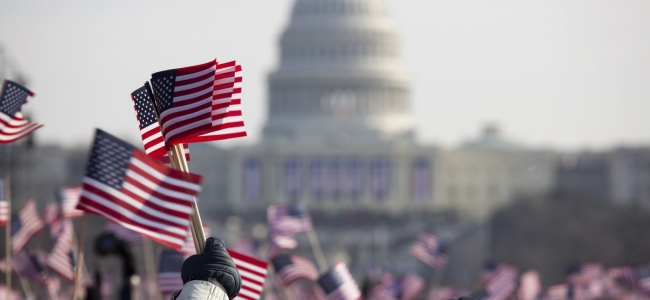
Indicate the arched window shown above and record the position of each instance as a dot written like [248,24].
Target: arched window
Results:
[252,180]
[292,178]
[380,178]
[421,180]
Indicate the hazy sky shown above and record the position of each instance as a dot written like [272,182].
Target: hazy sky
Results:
[559,73]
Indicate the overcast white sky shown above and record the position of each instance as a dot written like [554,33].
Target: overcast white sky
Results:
[565,74]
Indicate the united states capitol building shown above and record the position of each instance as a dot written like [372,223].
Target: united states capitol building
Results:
[340,130]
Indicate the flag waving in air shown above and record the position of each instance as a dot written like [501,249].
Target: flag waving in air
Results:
[134,190]
[227,118]
[13,125]
[184,100]
[253,275]
[200,103]
[338,284]
[24,224]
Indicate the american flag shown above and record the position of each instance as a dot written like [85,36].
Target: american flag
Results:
[338,284]
[69,197]
[4,205]
[292,177]
[13,125]
[380,177]
[24,224]
[169,272]
[501,285]
[585,273]
[62,260]
[386,290]
[134,190]
[411,286]
[288,218]
[291,267]
[624,274]
[184,100]
[123,233]
[253,274]
[227,118]
[154,143]
[429,250]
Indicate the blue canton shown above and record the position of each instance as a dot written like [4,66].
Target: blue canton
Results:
[163,88]
[16,224]
[13,98]
[330,281]
[143,107]
[281,261]
[109,160]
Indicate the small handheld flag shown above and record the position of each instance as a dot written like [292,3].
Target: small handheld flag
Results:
[134,190]
[13,125]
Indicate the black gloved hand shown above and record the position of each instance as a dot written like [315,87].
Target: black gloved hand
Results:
[213,265]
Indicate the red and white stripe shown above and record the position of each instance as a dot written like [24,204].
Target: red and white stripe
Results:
[503,284]
[411,286]
[253,274]
[349,289]
[169,282]
[227,118]
[154,200]
[30,222]
[13,128]
[154,143]
[69,199]
[425,248]
[300,267]
[4,213]
[124,233]
[60,260]
[191,111]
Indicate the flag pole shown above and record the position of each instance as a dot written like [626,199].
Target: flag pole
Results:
[197,226]
[176,155]
[152,286]
[26,288]
[8,234]
[317,250]
[437,277]
[80,257]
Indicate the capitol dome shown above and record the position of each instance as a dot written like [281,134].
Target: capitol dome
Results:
[339,77]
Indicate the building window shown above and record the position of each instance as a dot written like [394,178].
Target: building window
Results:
[292,178]
[335,178]
[354,178]
[317,178]
[421,180]
[380,178]
[252,180]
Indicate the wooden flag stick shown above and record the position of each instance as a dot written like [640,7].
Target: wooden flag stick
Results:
[80,257]
[437,277]
[317,250]
[178,156]
[26,288]
[149,263]
[8,236]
